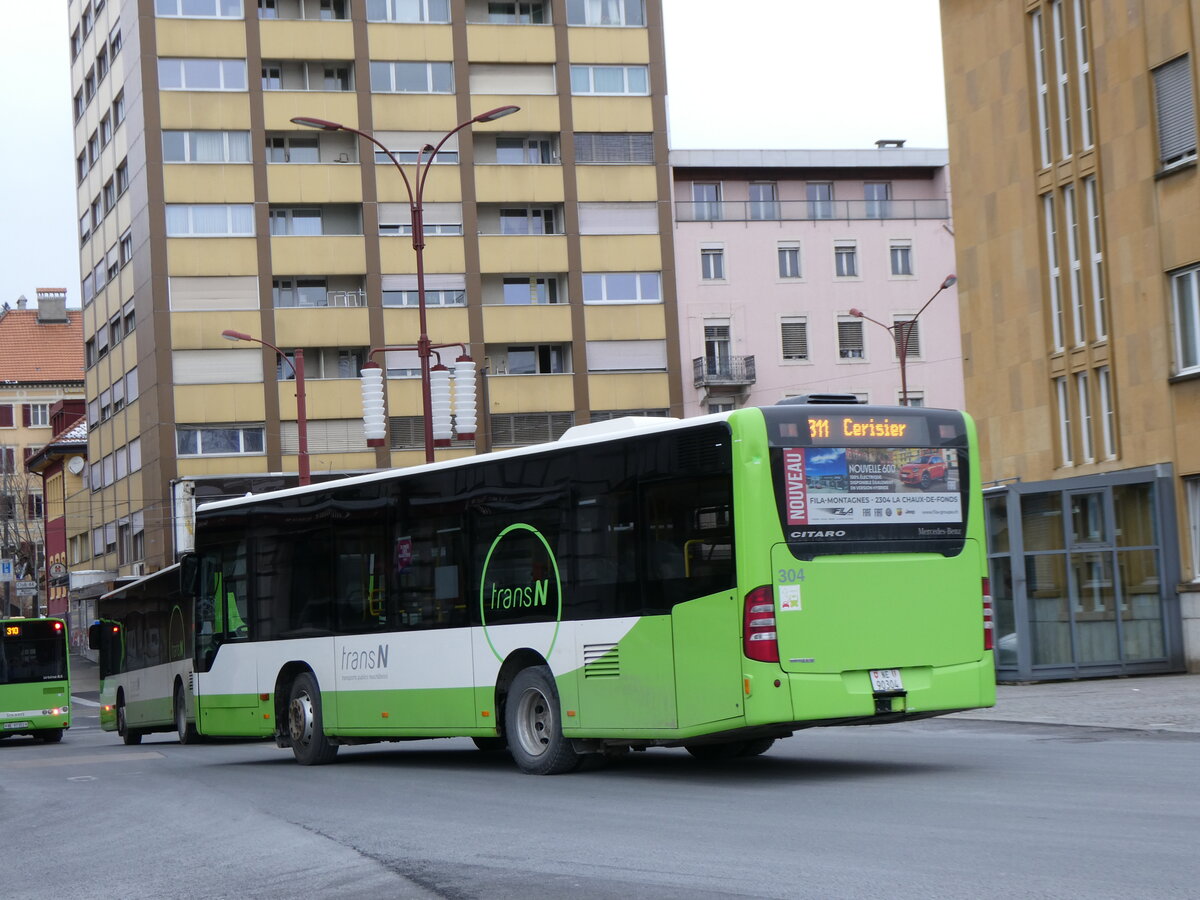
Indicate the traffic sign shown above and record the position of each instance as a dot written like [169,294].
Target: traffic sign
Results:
[6,570]
[27,588]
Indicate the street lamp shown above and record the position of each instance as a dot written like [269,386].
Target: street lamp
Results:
[415,198]
[301,412]
[901,331]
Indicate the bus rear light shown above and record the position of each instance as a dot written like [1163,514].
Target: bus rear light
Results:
[759,640]
[988,626]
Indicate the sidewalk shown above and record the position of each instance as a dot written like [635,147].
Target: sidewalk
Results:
[1143,703]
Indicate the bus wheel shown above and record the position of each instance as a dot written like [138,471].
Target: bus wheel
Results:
[716,752]
[129,735]
[757,747]
[533,725]
[305,726]
[185,730]
[50,735]
[490,744]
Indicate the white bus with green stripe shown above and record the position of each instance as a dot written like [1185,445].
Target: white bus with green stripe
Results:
[712,583]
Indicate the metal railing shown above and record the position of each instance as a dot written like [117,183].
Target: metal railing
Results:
[732,371]
[808,210]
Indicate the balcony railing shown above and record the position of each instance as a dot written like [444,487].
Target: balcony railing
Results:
[728,372]
[808,210]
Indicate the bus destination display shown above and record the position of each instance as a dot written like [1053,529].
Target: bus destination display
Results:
[885,431]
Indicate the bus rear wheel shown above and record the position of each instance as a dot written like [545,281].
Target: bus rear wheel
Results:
[50,735]
[186,730]
[305,724]
[716,752]
[129,735]
[533,725]
[490,744]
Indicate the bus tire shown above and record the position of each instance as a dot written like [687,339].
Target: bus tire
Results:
[50,735]
[533,725]
[129,735]
[186,730]
[490,744]
[757,746]
[306,725]
[716,752]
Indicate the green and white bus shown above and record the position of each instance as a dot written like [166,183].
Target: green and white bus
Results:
[146,645]
[35,678]
[713,583]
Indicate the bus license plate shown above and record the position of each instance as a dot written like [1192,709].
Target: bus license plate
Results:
[886,680]
[15,725]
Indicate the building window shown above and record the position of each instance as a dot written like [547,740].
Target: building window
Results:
[202,74]
[93,148]
[126,245]
[106,130]
[1063,79]
[526,220]
[1185,291]
[81,167]
[76,43]
[1173,98]
[409,298]
[299,75]
[213,440]
[79,105]
[619,147]
[610,80]
[630,13]
[37,415]
[210,220]
[1056,300]
[89,85]
[525,151]
[207,146]
[537,359]
[820,199]
[1083,396]
[718,359]
[712,264]
[409,11]
[1084,73]
[412,77]
[198,9]
[1065,452]
[901,257]
[622,287]
[850,338]
[906,336]
[530,290]
[764,201]
[1108,413]
[122,177]
[110,195]
[1192,490]
[101,64]
[789,259]
[845,258]
[114,41]
[706,201]
[1099,306]
[1043,86]
[877,194]
[299,292]
[518,12]
[794,333]
[118,109]
[1075,260]
[914,398]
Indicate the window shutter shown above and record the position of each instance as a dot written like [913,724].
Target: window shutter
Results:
[850,339]
[899,326]
[6,415]
[625,356]
[25,414]
[217,366]
[795,340]
[511,78]
[618,147]
[618,218]
[1176,113]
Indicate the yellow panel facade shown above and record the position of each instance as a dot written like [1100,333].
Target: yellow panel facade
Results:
[510,44]
[202,330]
[444,184]
[325,398]
[413,112]
[613,114]
[508,184]
[328,327]
[621,253]
[208,184]
[329,254]
[298,183]
[610,45]
[530,393]
[522,253]
[598,184]
[314,39]
[410,42]
[336,106]
[402,326]
[204,110]
[194,256]
[626,323]
[506,324]
[194,466]
[442,254]
[200,38]
[195,403]
[629,391]
[537,112]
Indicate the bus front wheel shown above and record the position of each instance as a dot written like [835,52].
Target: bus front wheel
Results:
[305,725]
[129,735]
[533,725]
[186,730]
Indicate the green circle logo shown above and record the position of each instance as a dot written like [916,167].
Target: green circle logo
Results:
[520,584]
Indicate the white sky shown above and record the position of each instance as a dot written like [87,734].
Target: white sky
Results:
[757,74]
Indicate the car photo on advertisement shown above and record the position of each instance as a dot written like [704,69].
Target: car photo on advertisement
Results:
[927,469]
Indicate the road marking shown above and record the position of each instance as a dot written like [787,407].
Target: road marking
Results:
[80,760]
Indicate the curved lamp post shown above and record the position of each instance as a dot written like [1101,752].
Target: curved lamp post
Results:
[302,463]
[416,191]
[901,331]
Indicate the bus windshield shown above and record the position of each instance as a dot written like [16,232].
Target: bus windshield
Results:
[869,480]
[32,651]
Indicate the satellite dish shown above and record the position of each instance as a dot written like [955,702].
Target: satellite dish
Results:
[75,465]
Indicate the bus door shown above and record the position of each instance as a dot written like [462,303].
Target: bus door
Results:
[222,609]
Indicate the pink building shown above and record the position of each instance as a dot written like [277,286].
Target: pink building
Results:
[775,248]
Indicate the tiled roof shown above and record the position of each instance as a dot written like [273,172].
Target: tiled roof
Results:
[32,351]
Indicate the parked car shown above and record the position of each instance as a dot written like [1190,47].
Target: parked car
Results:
[925,471]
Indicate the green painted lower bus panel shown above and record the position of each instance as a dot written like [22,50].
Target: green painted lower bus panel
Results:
[235,715]
[34,707]
[432,711]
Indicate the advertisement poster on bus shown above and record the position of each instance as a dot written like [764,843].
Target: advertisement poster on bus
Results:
[871,485]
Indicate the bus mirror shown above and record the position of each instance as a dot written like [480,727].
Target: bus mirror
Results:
[94,636]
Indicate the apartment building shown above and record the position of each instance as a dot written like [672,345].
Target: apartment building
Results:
[204,208]
[41,365]
[1077,219]
[815,271]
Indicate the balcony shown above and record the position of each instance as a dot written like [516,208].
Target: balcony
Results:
[731,374]
[808,210]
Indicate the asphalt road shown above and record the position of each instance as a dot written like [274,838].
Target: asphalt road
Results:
[944,808]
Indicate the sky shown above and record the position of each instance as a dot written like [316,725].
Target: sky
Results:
[794,74]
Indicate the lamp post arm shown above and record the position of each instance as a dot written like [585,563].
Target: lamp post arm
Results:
[390,155]
[424,169]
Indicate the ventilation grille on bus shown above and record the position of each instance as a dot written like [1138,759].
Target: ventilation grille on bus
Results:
[601,661]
